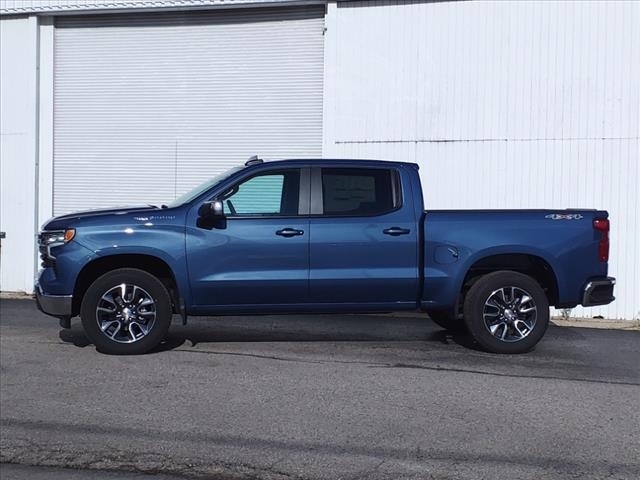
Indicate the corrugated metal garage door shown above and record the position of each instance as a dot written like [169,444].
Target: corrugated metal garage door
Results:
[149,105]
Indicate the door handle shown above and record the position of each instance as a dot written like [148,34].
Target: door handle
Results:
[289,232]
[395,231]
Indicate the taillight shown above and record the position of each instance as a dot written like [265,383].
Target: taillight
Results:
[602,225]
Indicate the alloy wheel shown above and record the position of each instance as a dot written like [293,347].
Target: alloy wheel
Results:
[126,313]
[510,314]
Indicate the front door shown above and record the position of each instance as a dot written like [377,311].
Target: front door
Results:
[257,255]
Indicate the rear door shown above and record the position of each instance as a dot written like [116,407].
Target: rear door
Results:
[363,238]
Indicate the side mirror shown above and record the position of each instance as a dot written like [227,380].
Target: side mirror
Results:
[213,209]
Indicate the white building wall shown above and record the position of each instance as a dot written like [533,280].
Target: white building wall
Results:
[503,105]
[522,104]
[10,7]
[18,133]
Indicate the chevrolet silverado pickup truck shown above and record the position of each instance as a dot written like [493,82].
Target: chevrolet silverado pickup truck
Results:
[319,236]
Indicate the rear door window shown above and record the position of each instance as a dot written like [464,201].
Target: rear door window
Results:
[359,191]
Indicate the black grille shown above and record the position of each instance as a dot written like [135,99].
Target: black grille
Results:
[47,261]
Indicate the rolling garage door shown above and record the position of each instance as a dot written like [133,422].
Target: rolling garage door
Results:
[149,105]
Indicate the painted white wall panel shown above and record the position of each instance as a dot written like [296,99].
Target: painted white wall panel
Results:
[503,105]
[18,56]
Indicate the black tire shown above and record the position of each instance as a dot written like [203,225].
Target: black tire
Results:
[506,312]
[126,312]
[447,321]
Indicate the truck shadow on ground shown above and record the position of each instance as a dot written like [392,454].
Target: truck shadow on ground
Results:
[296,328]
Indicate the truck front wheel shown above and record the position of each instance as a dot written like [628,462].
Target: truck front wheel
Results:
[126,312]
[506,312]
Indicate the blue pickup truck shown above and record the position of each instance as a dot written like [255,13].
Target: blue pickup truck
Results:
[298,236]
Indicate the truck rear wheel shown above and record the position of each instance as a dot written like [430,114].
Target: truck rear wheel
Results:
[506,312]
[126,312]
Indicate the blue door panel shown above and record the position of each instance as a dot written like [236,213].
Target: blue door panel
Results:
[247,263]
[353,261]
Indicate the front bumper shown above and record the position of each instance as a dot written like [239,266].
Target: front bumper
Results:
[54,305]
[598,291]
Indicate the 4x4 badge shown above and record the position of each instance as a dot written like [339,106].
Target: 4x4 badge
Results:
[564,216]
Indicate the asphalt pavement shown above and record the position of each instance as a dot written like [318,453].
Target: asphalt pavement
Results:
[316,397]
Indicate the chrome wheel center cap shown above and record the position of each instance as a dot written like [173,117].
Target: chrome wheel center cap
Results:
[510,315]
[126,314]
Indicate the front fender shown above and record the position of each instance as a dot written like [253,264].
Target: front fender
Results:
[166,244]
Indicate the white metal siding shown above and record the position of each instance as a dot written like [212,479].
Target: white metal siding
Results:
[18,82]
[503,105]
[148,106]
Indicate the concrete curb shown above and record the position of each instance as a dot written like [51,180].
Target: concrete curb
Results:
[596,323]
[15,295]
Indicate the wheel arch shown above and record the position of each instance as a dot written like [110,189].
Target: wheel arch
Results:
[526,263]
[149,263]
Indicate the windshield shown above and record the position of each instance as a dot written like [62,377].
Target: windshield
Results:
[200,189]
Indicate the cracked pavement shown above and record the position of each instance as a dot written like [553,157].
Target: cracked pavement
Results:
[316,397]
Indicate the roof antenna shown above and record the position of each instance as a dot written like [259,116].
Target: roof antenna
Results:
[253,160]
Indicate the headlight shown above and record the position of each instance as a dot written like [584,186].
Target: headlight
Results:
[53,238]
